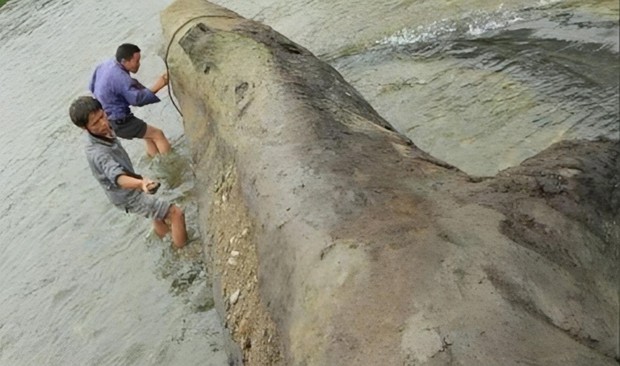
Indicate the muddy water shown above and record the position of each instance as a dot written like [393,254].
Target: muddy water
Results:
[477,83]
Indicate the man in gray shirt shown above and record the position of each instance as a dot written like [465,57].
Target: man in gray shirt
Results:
[114,171]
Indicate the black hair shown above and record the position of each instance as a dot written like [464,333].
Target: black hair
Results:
[81,108]
[126,51]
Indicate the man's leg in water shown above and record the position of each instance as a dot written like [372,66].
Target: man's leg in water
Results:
[176,217]
[156,141]
[160,227]
[151,148]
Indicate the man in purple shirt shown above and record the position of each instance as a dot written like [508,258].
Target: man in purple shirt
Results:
[113,86]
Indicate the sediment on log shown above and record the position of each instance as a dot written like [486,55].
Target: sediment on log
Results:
[334,240]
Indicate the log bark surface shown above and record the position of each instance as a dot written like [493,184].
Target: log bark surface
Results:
[336,241]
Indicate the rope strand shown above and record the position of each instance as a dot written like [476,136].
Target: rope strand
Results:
[168,52]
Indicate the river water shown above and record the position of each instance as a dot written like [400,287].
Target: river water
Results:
[486,90]
[479,84]
[82,282]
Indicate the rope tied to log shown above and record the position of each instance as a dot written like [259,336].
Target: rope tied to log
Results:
[168,52]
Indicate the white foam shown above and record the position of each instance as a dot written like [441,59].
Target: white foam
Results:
[473,24]
[479,27]
[548,2]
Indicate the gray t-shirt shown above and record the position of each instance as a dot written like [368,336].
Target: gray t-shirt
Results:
[108,159]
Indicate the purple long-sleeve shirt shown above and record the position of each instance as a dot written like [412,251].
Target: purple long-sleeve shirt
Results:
[117,90]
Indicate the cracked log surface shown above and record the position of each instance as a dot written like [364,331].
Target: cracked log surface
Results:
[336,241]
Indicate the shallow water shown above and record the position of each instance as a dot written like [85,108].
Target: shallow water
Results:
[84,283]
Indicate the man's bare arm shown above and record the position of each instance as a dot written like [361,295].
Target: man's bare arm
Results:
[129,182]
[161,81]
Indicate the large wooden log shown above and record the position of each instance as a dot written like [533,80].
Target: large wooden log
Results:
[335,241]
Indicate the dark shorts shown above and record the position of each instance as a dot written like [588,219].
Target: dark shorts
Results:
[129,128]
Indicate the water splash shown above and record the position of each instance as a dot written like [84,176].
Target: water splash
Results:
[472,24]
